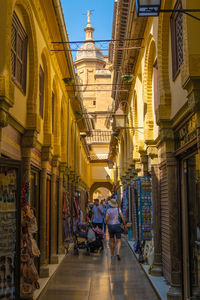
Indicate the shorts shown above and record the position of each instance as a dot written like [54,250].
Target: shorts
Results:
[114,230]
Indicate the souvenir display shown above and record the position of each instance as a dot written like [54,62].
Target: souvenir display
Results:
[124,204]
[29,249]
[66,220]
[144,193]
[8,222]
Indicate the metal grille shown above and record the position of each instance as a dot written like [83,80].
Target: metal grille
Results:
[99,136]
[53,105]
[102,156]
[179,39]
[41,90]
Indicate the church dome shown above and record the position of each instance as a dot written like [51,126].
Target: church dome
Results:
[93,52]
[89,50]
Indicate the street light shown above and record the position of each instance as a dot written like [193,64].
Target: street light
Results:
[152,8]
[119,119]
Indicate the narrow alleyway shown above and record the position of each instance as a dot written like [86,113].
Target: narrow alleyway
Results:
[98,278]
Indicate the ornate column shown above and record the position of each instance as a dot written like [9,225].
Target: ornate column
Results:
[60,208]
[144,162]
[168,158]
[156,268]
[44,269]
[174,226]
[29,141]
[54,202]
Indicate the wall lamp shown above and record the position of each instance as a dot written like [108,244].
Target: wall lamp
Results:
[152,8]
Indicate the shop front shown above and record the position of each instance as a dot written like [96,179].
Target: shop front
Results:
[189,182]
[10,191]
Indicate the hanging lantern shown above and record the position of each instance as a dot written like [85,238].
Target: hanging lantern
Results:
[148,8]
[119,120]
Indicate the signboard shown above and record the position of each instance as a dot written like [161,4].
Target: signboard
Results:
[187,133]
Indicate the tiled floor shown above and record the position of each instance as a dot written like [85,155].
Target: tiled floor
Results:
[96,277]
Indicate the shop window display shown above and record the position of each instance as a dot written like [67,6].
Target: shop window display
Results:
[8,233]
[29,249]
[144,192]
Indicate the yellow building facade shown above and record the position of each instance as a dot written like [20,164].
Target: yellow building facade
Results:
[161,135]
[39,130]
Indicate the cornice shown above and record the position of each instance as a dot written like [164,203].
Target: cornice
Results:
[15,124]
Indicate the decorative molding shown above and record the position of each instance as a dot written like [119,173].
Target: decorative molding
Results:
[152,151]
[166,134]
[192,85]
[63,167]
[7,90]
[55,161]
[46,153]
[3,118]
[29,138]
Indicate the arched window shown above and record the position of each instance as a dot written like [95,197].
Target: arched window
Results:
[177,39]
[18,53]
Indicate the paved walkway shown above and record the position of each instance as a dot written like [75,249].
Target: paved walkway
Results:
[96,277]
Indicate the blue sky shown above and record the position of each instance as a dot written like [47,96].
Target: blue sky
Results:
[75,12]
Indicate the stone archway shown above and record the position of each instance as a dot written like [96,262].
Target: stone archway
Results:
[97,185]
[148,90]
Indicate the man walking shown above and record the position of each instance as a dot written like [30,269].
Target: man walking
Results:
[98,214]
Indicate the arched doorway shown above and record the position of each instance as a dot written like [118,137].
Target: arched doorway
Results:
[98,185]
[101,193]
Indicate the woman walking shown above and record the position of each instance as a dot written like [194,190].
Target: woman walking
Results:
[113,215]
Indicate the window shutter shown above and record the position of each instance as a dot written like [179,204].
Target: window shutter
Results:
[177,40]
[41,91]
[53,103]
[18,53]
[24,65]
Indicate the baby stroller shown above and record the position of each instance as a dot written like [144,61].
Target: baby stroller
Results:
[80,239]
[97,244]
[89,238]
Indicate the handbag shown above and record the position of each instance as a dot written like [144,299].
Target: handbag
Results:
[124,228]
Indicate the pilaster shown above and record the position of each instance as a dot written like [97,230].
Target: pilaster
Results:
[44,270]
[46,156]
[174,229]
[144,162]
[54,201]
[63,168]
[156,268]
[166,157]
